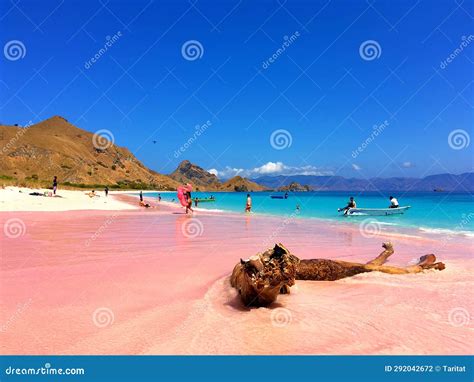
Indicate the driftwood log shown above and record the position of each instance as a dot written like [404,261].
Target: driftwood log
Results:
[261,278]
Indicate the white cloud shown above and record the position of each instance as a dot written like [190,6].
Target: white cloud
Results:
[356,167]
[269,168]
[227,172]
[408,165]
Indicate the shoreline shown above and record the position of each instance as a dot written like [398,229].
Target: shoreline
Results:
[403,230]
[158,280]
[126,200]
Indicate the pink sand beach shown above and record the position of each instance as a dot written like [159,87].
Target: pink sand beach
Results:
[156,282]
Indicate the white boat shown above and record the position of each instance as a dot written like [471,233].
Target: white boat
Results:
[375,211]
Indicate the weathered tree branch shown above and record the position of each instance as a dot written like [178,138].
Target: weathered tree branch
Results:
[262,277]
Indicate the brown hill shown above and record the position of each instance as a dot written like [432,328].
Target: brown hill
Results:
[75,156]
[188,172]
[294,186]
[239,184]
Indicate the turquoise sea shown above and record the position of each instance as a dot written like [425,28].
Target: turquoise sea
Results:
[430,211]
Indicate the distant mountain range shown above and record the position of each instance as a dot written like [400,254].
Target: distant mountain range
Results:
[442,182]
[54,147]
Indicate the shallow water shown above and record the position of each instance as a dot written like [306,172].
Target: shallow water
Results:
[433,212]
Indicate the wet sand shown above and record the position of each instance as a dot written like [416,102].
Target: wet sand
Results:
[156,282]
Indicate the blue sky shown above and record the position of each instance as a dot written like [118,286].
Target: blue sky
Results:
[319,97]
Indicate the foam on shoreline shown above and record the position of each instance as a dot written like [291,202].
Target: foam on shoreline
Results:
[384,228]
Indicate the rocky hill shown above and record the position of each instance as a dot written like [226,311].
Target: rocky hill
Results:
[239,184]
[201,179]
[77,157]
[295,186]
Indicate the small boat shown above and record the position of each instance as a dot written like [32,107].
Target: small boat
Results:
[205,200]
[375,211]
[279,196]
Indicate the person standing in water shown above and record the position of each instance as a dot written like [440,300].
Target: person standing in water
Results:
[55,185]
[141,196]
[248,206]
[189,202]
[106,190]
[159,197]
